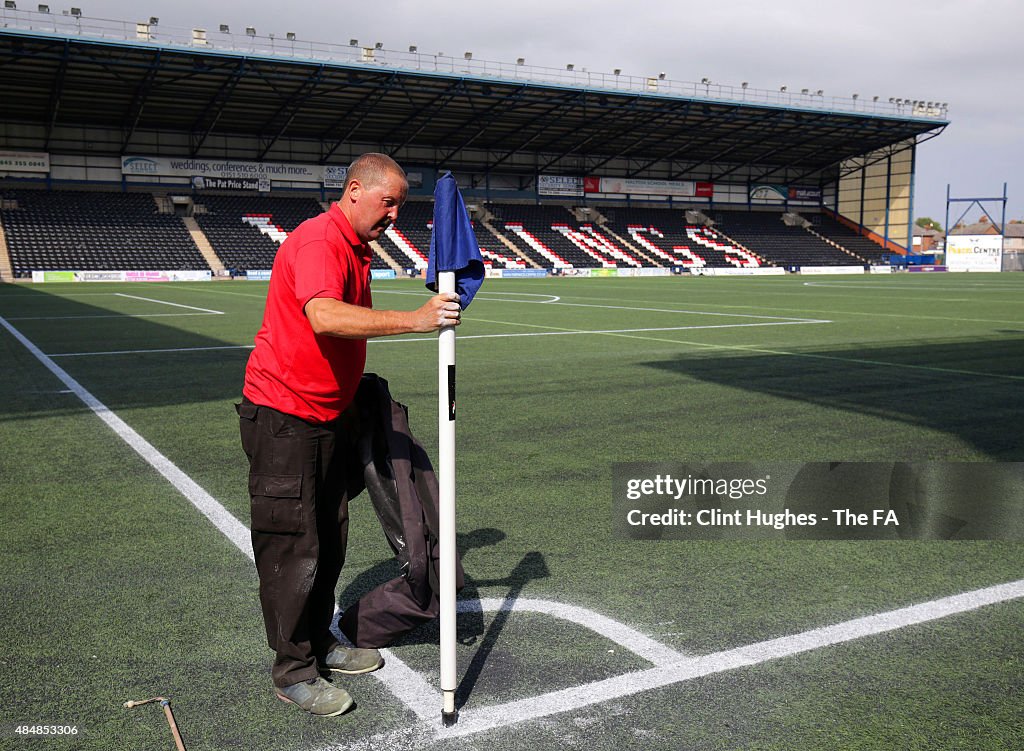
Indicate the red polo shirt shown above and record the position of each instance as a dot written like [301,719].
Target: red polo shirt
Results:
[292,369]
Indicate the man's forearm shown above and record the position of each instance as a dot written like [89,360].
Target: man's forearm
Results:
[335,318]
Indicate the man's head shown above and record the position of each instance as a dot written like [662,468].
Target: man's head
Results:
[375,189]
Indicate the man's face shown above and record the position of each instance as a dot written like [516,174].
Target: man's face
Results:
[374,207]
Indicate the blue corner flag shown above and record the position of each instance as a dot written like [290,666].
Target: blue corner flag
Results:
[453,245]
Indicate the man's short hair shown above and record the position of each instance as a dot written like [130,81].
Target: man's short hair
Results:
[372,169]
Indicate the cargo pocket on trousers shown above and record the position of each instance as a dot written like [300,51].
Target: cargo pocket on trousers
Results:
[276,503]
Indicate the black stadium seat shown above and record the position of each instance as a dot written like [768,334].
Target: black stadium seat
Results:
[88,231]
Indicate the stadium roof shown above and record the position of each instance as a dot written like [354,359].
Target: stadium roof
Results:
[462,121]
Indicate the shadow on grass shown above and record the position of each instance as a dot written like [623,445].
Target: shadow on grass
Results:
[972,390]
[59,325]
[532,566]
[470,624]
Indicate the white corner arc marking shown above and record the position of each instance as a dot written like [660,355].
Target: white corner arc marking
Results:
[639,644]
[495,716]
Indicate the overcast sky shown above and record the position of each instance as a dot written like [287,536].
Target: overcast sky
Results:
[964,52]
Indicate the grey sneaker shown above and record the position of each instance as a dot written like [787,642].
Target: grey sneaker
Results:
[353,660]
[317,697]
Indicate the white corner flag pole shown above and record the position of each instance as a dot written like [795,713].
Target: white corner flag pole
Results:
[446,488]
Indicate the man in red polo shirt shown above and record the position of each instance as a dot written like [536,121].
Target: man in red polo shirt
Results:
[301,376]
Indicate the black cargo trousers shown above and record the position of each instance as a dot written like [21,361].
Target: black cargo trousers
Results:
[299,505]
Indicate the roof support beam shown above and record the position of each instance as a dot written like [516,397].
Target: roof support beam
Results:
[425,115]
[479,123]
[200,132]
[566,103]
[669,118]
[290,109]
[139,100]
[711,160]
[801,159]
[364,107]
[56,90]
[779,146]
[610,113]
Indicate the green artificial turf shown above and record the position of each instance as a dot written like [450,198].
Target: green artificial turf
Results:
[116,588]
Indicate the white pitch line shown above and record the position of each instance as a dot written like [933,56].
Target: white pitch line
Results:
[110,315]
[670,310]
[148,351]
[639,644]
[480,296]
[930,288]
[473,721]
[401,680]
[576,332]
[172,304]
[621,307]
[570,332]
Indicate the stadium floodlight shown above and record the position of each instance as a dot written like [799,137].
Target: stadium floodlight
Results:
[10,5]
[378,46]
[44,8]
[153,21]
[706,81]
[744,85]
[856,96]
[569,66]
[783,89]
[224,29]
[77,12]
[353,42]
[413,48]
[805,91]
[290,36]
[892,100]
[468,55]
[617,71]
[250,31]
[661,76]
[520,61]
[874,99]
[820,92]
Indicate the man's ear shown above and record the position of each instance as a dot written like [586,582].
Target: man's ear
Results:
[354,189]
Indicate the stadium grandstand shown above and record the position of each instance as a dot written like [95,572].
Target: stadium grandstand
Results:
[130,147]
